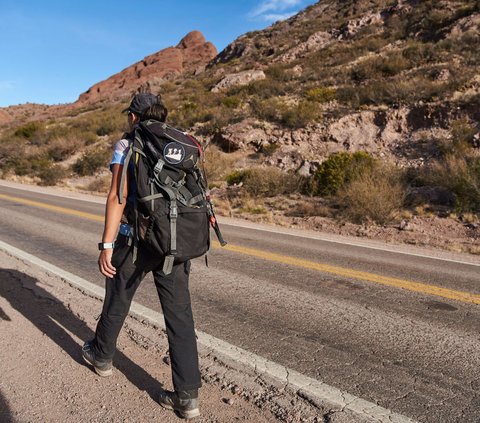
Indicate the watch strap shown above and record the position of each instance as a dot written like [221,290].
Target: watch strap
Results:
[105,245]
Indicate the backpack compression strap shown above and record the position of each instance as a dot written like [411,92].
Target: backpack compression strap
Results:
[173,214]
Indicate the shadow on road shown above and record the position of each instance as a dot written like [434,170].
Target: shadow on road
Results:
[5,413]
[54,319]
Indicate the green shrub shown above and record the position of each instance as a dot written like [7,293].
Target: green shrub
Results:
[265,88]
[269,109]
[321,94]
[461,141]
[278,73]
[51,175]
[232,102]
[394,91]
[463,131]
[379,66]
[419,52]
[106,128]
[236,177]
[21,166]
[300,115]
[338,170]
[29,130]
[459,174]
[91,161]
[265,181]
[269,149]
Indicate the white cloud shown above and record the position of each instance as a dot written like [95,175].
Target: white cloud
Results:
[274,17]
[275,10]
[274,6]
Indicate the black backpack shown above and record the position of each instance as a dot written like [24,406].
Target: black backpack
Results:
[173,211]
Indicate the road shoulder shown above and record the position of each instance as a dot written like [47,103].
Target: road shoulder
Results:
[44,323]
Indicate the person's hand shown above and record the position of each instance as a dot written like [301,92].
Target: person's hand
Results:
[105,263]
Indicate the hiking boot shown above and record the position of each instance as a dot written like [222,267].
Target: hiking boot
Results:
[184,403]
[102,367]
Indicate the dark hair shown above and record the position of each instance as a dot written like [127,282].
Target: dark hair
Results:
[156,111]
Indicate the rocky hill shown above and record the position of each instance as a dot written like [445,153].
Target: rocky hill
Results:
[342,85]
[192,51]
[380,76]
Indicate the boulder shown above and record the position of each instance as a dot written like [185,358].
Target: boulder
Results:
[241,78]
[315,42]
[241,136]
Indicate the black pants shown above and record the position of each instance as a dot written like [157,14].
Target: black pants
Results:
[175,300]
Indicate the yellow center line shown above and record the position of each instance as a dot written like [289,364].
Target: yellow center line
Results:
[58,209]
[357,274]
[293,261]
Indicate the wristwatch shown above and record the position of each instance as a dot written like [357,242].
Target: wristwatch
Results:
[105,245]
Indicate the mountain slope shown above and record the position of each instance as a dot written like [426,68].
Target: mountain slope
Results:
[377,81]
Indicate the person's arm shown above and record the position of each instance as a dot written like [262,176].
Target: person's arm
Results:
[113,216]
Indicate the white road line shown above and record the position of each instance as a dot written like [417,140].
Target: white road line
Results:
[289,378]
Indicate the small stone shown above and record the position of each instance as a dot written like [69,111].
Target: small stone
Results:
[166,360]
[403,225]
[228,401]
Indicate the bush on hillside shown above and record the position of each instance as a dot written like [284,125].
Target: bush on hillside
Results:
[51,175]
[459,174]
[377,194]
[292,116]
[321,94]
[300,115]
[217,163]
[265,181]
[338,170]
[91,162]
[29,130]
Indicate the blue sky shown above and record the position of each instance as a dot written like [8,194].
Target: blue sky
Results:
[53,50]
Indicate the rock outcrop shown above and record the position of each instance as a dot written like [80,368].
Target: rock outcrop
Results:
[190,53]
[240,78]
[405,136]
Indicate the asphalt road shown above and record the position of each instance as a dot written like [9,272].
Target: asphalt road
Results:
[396,329]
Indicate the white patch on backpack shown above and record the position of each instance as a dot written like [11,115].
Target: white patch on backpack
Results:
[174,153]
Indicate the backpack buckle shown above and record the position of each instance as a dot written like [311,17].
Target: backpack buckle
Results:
[173,210]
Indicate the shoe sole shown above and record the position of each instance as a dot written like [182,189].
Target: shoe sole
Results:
[188,414]
[102,373]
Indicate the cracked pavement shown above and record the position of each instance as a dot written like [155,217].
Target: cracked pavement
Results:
[415,354]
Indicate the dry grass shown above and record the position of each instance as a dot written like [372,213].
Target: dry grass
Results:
[217,164]
[265,181]
[100,184]
[377,195]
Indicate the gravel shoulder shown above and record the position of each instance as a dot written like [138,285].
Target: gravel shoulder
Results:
[44,321]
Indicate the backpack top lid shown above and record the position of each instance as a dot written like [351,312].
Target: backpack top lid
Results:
[175,147]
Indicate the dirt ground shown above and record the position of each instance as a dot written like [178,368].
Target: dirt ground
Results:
[44,321]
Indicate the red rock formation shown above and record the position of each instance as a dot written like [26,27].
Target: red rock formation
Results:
[192,51]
